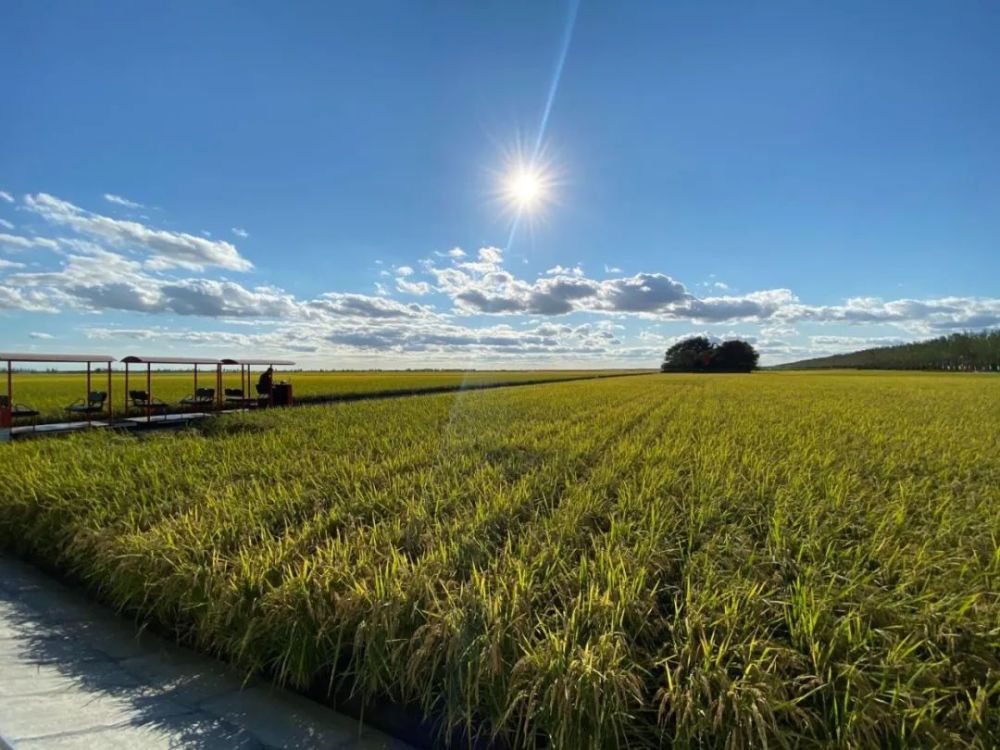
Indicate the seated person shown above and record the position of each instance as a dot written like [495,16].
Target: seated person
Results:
[265,381]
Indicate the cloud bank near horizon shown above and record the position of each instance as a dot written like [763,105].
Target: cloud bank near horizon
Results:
[454,305]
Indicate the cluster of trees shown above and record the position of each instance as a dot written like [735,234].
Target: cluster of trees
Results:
[698,354]
[959,352]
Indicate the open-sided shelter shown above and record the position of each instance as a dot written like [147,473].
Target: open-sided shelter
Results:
[93,403]
[145,401]
[244,398]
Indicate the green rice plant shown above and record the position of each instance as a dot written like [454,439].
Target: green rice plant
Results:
[780,559]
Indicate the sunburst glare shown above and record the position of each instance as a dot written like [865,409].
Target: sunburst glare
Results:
[525,188]
[526,181]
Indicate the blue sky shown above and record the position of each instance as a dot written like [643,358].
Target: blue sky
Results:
[326,180]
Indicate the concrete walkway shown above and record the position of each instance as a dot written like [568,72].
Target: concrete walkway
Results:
[73,675]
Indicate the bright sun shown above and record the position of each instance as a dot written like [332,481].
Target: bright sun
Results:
[525,188]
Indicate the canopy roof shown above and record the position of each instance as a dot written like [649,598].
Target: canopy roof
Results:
[32,357]
[256,362]
[134,360]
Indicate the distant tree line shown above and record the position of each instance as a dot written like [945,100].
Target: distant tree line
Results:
[698,354]
[959,352]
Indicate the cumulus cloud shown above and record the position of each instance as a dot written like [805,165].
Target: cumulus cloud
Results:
[107,264]
[16,242]
[360,306]
[167,249]
[644,292]
[24,300]
[119,201]
[413,287]
[96,281]
[446,337]
[405,284]
[104,280]
[484,286]
[275,341]
[930,315]
[756,306]
[564,271]
[226,299]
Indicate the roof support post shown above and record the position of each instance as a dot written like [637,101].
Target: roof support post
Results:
[6,414]
[87,400]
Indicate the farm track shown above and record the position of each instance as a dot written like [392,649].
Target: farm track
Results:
[429,391]
[613,563]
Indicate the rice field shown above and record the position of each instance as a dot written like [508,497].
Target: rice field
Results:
[50,392]
[777,559]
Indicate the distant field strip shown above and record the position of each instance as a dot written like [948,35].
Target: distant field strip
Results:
[704,561]
[50,393]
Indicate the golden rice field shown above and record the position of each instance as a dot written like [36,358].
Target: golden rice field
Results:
[777,559]
[50,392]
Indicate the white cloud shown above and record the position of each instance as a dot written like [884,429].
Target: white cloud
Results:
[483,286]
[564,271]
[4,195]
[756,306]
[41,336]
[611,269]
[6,224]
[240,232]
[406,285]
[778,331]
[339,304]
[113,265]
[412,340]
[413,287]
[119,201]
[920,316]
[167,249]
[16,242]
[24,300]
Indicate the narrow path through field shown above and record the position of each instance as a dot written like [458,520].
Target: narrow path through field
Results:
[73,675]
[335,398]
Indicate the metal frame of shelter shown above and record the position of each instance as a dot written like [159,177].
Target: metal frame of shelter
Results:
[245,365]
[7,413]
[150,361]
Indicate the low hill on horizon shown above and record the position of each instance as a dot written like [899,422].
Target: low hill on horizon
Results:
[959,352]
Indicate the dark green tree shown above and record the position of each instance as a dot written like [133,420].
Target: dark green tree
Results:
[734,356]
[689,355]
[698,354]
